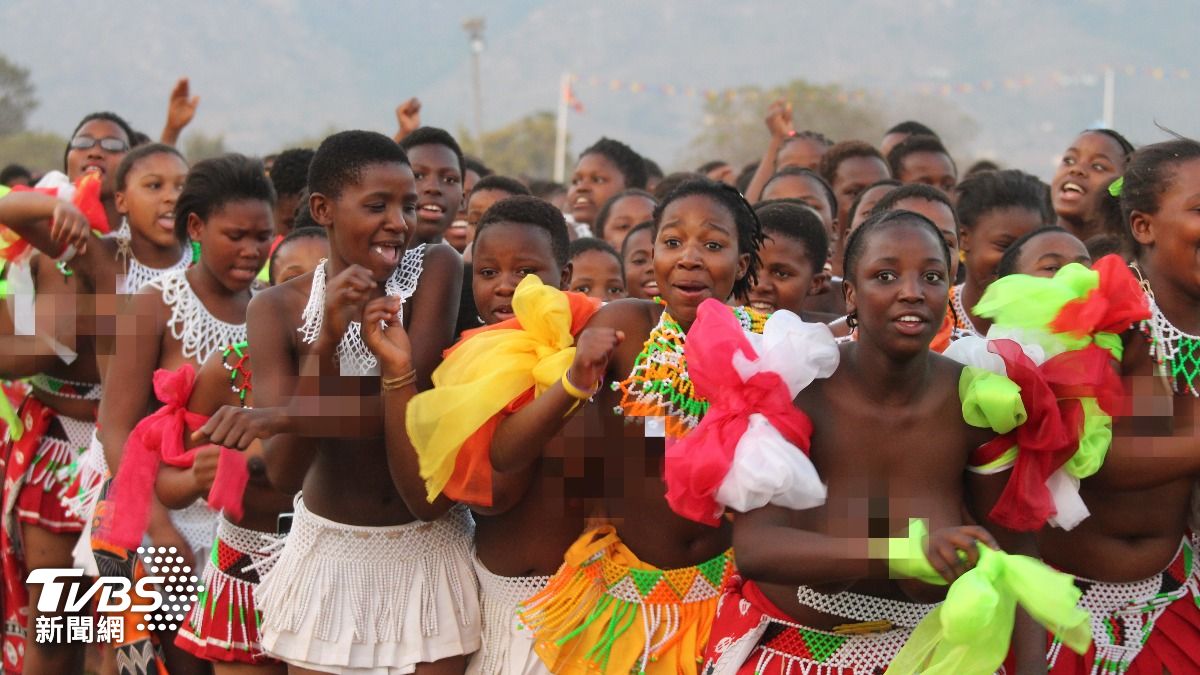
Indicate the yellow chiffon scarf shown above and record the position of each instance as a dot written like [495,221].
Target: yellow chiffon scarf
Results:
[481,378]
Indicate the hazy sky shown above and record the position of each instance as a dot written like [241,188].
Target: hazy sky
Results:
[273,71]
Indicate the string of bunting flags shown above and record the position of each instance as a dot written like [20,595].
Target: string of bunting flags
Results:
[1056,79]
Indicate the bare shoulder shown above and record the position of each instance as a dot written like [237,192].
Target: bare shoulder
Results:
[149,301]
[632,315]
[284,300]
[441,257]
[441,274]
[945,371]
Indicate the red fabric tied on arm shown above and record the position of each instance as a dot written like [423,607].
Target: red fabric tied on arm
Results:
[159,438]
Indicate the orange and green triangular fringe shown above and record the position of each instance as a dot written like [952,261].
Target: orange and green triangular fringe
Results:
[585,623]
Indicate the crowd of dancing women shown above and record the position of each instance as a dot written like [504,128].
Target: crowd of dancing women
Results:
[844,411]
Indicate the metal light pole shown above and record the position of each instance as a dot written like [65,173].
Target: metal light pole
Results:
[474,27]
[1110,97]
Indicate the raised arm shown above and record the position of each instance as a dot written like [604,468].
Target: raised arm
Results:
[181,108]
[521,438]
[408,118]
[779,124]
[398,381]
[430,313]
[53,226]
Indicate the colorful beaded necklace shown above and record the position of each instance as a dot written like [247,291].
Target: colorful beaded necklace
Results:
[239,368]
[659,386]
[1177,353]
[963,326]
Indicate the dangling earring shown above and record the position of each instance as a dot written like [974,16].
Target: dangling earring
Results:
[123,235]
[962,255]
[852,319]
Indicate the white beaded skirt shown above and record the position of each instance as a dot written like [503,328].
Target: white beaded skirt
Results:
[371,600]
[507,643]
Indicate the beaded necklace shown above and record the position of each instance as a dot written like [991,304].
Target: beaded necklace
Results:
[240,367]
[659,386]
[352,355]
[198,331]
[1177,353]
[962,319]
[137,274]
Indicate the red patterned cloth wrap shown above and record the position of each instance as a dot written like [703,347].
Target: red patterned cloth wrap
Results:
[751,448]
[751,636]
[32,494]
[36,467]
[223,624]
[159,438]
[1142,627]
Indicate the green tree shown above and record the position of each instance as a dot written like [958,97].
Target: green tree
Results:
[200,145]
[310,141]
[524,147]
[39,151]
[734,128]
[16,97]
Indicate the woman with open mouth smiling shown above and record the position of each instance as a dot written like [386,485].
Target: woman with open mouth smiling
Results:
[705,247]
[1079,188]
[49,472]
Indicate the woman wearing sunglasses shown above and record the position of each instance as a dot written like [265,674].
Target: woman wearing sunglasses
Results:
[76,279]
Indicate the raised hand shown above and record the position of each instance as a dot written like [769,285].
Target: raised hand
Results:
[181,108]
[408,116]
[385,336]
[779,119]
[345,295]
[593,349]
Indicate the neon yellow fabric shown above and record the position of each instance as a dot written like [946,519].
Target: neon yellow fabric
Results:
[13,426]
[990,401]
[1030,304]
[484,373]
[1023,301]
[1094,441]
[1002,463]
[971,630]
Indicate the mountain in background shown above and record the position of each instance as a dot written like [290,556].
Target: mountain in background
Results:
[272,72]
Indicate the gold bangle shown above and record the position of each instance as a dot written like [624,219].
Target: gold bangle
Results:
[575,392]
[393,383]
